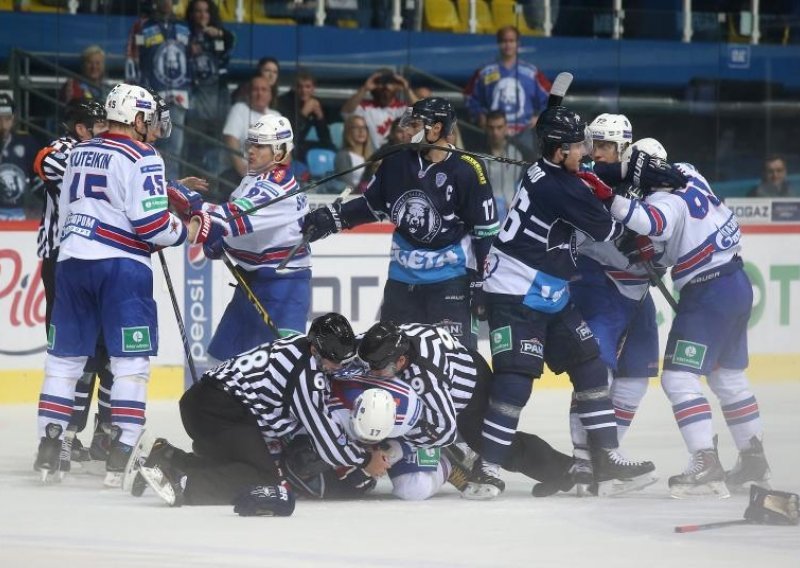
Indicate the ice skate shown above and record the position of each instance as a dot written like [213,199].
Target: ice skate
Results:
[703,476]
[460,467]
[118,457]
[484,482]
[751,469]
[582,474]
[48,458]
[161,475]
[79,452]
[141,449]
[615,474]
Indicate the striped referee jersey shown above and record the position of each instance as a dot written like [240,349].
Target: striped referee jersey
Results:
[49,165]
[282,385]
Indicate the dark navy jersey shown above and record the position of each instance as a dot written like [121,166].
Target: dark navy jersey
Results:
[535,253]
[438,208]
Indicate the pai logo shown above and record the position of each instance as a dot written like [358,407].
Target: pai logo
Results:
[196,257]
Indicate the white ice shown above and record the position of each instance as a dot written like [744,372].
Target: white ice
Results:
[78,523]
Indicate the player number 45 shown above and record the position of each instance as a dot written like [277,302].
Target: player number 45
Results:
[90,185]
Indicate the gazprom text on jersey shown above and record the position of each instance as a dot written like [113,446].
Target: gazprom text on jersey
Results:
[89,159]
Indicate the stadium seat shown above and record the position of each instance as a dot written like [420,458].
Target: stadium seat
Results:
[337,133]
[320,162]
[254,11]
[6,5]
[504,14]
[483,15]
[441,16]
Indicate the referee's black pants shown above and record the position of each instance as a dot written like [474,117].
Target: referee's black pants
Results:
[529,455]
[229,452]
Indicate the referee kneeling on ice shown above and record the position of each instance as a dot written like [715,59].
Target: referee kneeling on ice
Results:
[237,413]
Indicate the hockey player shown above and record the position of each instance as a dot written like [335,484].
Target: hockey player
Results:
[258,242]
[708,336]
[18,182]
[612,294]
[531,316]
[444,215]
[83,120]
[113,215]
[238,412]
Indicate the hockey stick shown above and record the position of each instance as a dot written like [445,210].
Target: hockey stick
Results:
[251,295]
[658,283]
[307,238]
[178,317]
[709,526]
[559,89]
[376,157]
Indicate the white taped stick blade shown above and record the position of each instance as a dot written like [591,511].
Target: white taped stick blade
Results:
[561,84]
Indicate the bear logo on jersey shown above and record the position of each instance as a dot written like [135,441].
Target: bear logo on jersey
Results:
[415,213]
[171,67]
[13,182]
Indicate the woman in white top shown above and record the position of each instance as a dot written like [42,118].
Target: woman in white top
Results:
[356,148]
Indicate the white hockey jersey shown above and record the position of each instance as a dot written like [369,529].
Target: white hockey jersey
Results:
[698,230]
[265,237]
[630,279]
[113,202]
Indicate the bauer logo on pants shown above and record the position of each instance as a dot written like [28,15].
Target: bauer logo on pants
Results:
[689,353]
[135,339]
[500,339]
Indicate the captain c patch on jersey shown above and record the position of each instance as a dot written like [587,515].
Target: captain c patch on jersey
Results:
[414,213]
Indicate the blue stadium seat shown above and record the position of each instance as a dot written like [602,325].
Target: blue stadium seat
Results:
[337,133]
[320,162]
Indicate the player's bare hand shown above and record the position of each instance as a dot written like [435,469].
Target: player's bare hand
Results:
[195,183]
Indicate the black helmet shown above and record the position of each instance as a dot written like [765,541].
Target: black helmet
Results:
[83,112]
[433,110]
[558,127]
[383,343]
[333,337]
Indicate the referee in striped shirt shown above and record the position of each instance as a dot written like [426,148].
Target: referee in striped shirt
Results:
[83,120]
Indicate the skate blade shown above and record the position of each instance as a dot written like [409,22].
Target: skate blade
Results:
[585,490]
[617,487]
[744,488]
[716,489]
[139,485]
[158,483]
[138,456]
[480,492]
[48,477]
[113,479]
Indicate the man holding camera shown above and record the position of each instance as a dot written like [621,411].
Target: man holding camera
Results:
[385,105]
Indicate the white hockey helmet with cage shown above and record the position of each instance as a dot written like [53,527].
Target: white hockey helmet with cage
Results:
[373,415]
[272,130]
[616,128]
[125,102]
[648,146]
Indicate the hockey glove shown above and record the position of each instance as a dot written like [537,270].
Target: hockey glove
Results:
[265,501]
[356,479]
[214,250]
[183,199]
[210,228]
[477,297]
[637,248]
[771,507]
[322,222]
[601,190]
[646,171]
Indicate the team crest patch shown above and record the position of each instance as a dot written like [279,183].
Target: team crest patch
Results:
[500,339]
[455,328]
[584,332]
[51,336]
[532,347]
[135,339]
[689,353]
[415,213]
[441,179]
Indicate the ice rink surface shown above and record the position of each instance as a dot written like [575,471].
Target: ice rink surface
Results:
[78,523]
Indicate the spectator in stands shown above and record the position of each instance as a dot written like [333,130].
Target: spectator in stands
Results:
[158,58]
[397,134]
[269,68]
[241,116]
[304,111]
[209,51]
[422,92]
[511,85]
[90,85]
[20,190]
[773,182]
[384,106]
[502,177]
[356,149]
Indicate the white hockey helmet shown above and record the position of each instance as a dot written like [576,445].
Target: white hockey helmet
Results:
[648,146]
[373,415]
[125,101]
[272,130]
[612,128]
